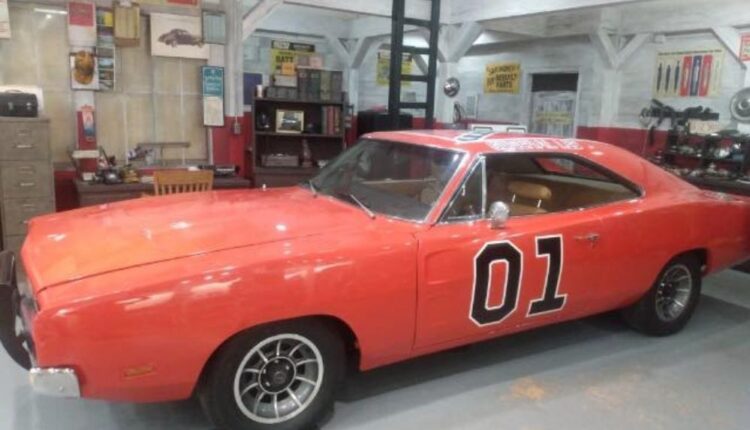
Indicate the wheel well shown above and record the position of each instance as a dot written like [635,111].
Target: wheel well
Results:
[337,325]
[701,254]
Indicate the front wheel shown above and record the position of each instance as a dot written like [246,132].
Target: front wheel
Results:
[279,377]
[667,307]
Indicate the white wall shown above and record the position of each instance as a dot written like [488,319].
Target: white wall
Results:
[638,79]
[575,54]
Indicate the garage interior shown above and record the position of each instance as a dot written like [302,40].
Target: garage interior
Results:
[115,100]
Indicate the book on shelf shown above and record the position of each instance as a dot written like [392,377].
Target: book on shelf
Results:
[331,120]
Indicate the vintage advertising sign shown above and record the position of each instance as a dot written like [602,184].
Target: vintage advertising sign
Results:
[384,68]
[4,20]
[502,78]
[744,47]
[283,52]
[213,96]
[81,23]
[191,3]
[688,73]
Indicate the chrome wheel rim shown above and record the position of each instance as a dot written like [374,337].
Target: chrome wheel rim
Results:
[278,379]
[673,293]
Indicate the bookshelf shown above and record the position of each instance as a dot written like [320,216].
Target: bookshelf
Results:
[323,131]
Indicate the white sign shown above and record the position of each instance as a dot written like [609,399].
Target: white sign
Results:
[4,20]
[177,36]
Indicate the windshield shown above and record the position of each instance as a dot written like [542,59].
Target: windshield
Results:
[389,178]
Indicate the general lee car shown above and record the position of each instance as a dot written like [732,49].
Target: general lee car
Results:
[408,243]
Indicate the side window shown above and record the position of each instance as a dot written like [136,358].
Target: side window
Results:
[468,203]
[538,184]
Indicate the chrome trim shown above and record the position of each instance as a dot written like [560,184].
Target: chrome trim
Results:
[479,160]
[56,382]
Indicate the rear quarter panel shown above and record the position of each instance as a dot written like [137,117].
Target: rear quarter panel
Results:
[150,338]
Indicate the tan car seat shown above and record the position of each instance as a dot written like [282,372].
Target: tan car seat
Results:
[528,198]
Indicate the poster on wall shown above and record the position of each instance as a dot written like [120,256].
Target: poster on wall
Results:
[553,113]
[84,70]
[105,48]
[283,52]
[688,73]
[4,20]
[502,78]
[84,103]
[213,96]
[745,47]
[191,3]
[383,69]
[81,23]
[177,36]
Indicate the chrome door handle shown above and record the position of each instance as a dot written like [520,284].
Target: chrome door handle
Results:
[591,237]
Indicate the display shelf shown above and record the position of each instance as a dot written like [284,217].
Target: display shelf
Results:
[325,117]
[300,135]
[294,101]
[279,170]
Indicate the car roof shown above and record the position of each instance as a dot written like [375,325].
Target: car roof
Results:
[482,142]
[623,162]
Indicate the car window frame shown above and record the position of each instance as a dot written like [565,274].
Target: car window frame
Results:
[482,158]
[478,161]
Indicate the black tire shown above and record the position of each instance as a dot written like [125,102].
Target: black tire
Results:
[218,389]
[649,318]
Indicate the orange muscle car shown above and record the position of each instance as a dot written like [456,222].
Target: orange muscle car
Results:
[408,243]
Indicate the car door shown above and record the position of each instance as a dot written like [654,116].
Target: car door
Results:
[476,282]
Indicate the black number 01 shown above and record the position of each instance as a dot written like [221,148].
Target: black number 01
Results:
[505,252]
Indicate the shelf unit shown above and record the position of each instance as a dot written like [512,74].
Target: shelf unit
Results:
[323,146]
[702,157]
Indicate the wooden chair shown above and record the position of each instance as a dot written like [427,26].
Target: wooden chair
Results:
[182,181]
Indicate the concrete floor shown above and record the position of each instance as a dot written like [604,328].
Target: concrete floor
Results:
[590,374]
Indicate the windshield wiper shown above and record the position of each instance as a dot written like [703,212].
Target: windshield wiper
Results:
[311,184]
[367,210]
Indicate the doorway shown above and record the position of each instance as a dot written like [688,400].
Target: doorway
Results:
[554,98]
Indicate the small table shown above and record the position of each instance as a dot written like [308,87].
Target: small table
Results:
[90,194]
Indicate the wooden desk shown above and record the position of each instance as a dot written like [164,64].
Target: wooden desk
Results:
[95,194]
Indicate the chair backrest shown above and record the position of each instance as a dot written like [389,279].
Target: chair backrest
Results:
[182,181]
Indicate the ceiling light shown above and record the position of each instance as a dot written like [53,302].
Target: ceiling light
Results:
[51,11]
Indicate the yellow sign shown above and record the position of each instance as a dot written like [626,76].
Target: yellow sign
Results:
[384,68]
[502,78]
[288,52]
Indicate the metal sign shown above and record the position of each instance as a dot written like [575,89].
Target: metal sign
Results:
[213,96]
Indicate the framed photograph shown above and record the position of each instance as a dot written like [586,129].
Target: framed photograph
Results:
[84,69]
[214,27]
[290,121]
[177,36]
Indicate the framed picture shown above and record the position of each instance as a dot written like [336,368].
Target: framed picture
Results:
[84,69]
[290,121]
[177,36]
[214,27]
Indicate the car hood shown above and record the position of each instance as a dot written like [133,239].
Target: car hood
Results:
[77,244]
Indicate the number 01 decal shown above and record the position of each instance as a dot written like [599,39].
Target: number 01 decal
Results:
[505,252]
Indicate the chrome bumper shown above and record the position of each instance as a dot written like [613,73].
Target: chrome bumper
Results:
[57,382]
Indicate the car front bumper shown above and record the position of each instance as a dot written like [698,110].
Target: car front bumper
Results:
[16,314]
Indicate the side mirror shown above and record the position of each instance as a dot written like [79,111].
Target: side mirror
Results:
[498,214]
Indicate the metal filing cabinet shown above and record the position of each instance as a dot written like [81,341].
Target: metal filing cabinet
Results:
[26,176]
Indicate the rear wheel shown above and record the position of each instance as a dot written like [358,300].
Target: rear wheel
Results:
[276,377]
[669,304]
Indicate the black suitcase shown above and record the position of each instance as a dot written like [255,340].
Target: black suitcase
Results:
[18,104]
